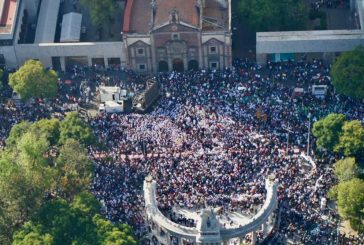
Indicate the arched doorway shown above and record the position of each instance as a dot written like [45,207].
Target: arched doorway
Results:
[178,65]
[163,66]
[193,65]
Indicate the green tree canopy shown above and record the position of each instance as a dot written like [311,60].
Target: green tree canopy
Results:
[346,169]
[72,127]
[23,184]
[32,234]
[32,80]
[34,166]
[101,11]
[348,73]
[352,139]
[50,128]
[78,222]
[350,199]
[16,132]
[328,130]
[74,169]
[274,15]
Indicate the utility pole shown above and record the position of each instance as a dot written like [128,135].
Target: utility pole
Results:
[308,134]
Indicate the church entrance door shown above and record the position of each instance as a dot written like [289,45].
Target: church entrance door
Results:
[178,65]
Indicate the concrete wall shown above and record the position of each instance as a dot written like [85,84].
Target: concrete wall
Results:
[330,41]
[307,42]
[359,7]
[16,55]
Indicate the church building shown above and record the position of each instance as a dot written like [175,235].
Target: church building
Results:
[180,35]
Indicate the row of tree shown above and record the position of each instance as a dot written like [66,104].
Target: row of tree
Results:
[274,15]
[336,134]
[348,73]
[45,173]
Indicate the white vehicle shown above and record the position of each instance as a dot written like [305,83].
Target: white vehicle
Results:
[109,94]
[112,107]
[319,91]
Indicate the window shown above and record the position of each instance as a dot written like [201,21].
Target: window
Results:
[214,65]
[142,67]
[175,36]
[213,49]
[140,51]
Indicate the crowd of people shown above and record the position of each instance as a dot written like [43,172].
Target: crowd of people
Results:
[317,4]
[212,139]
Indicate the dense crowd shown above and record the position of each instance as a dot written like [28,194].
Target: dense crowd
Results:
[213,138]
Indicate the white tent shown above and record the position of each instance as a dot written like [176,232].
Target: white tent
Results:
[71,27]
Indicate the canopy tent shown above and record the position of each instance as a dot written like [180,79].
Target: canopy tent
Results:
[71,27]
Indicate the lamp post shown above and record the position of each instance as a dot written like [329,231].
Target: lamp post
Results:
[288,131]
[308,134]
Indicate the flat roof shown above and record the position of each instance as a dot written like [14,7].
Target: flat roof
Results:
[308,41]
[8,9]
[71,27]
[309,35]
[47,21]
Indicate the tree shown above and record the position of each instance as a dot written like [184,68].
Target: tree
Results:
[101,11]
[30,173]
[274,15]
[32,80]
[74,169]
[348,73]
[22,192]
[346,169]
[78,222]
[16,132]
[109,233]
[31,234]
[72,127]
[351,141]
[350,199]
[50,128]
[328,130]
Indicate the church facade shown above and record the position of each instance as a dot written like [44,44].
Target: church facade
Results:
[180,35]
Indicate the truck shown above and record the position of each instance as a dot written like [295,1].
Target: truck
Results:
[143,100]
[112,107]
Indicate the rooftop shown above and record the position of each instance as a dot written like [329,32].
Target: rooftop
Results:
[309,35]
[215,15]
[138,14]
[8,15]
[186,9]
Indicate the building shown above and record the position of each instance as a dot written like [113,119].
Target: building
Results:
[164,35]
[32,29]
[325,44]
[150,36]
